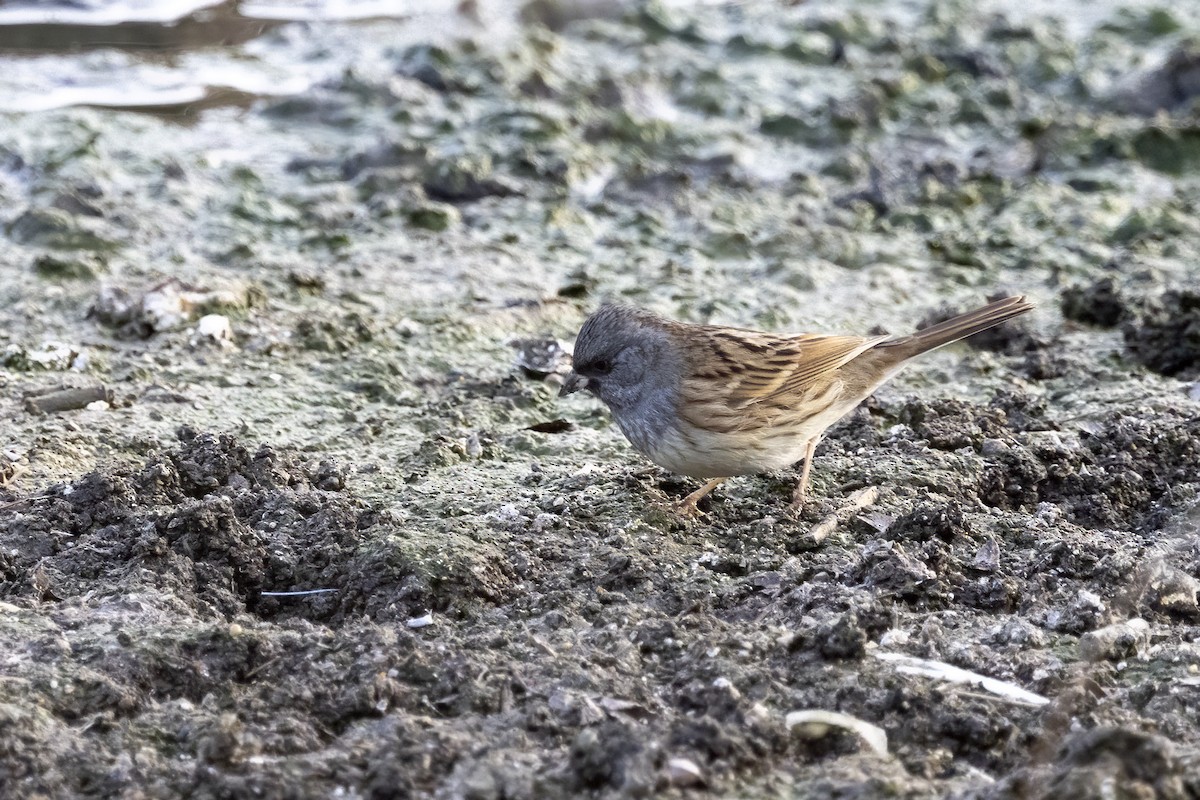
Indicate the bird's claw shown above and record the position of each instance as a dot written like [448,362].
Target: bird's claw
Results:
[688,508]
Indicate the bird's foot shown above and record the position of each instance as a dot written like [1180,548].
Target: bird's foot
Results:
[688,507]
[799,498]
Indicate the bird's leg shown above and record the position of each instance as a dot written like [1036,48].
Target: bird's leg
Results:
[800,495]
[687,506]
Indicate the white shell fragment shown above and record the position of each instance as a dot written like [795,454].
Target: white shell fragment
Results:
[214,328]
[939,670]
[815,724]
[684,772]
[421,622]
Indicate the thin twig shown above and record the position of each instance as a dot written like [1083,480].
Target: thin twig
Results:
[261,667]
[12,503]
[295,594]
[856,502]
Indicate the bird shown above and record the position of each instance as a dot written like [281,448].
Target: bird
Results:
[712,402]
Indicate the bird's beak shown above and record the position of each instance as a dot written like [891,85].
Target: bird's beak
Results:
[572,384]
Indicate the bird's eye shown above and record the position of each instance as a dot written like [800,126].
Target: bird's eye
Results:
[602,366]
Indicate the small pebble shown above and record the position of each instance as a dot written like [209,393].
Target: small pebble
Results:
[987,558]
[1114,642]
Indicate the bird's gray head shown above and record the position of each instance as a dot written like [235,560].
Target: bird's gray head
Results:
[624,356]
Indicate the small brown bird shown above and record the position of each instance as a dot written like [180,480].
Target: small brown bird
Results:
[712,402]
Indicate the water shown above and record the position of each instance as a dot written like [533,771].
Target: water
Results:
[181,56]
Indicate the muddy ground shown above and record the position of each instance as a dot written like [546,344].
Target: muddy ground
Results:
[495,602]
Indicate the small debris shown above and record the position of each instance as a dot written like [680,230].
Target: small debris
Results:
[67,399]
[615,705]
[579,284]
[815,724]
[589,712]
[540,358]
[894,638]
[684,772]
[987,558]
[880,522]
[1114,642]
[113,306]
[433,216]
[544,646]
[1089,601]
[10,470]
[54,356]
[213,328]
[462,178]
[156,393]
[1174,591]
[423,621]
[167,306]
[408,328]
[939,670]
[856,502]
[306,281]
[552,426]
[300,593]
[79,265]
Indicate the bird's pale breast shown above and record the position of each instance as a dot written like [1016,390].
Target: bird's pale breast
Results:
[769,439]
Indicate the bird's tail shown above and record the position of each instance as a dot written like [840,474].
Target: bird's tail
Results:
[955,328]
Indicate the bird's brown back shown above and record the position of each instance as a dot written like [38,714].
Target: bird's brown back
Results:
[745,378]
[741,378]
